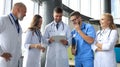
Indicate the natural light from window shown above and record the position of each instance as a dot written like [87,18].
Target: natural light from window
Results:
[1,7]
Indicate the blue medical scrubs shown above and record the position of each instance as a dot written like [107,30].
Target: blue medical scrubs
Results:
[84,54]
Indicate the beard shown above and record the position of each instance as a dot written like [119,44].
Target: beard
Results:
[20,17]
[58,20]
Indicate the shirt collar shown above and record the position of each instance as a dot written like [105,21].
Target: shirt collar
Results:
[13,16]
[56,22]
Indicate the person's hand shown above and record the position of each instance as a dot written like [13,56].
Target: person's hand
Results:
[73,51]
[40,47]
[64,42]
[51,40]
[43,49]
[7,56]
[98,49]
[99,45]
[77,27]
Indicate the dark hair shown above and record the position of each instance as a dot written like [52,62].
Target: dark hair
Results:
[75,13]
[35,22]
[58,10]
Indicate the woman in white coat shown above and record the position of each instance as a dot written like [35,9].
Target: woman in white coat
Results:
[33,43]
[105,42]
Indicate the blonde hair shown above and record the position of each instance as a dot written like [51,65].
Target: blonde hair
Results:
[35,22]
[110,18]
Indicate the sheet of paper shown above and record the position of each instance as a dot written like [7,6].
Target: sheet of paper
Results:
[58,38]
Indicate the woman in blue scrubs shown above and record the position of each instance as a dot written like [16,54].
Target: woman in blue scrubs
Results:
[83,35]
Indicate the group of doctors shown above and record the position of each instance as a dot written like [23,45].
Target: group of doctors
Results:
[90,49]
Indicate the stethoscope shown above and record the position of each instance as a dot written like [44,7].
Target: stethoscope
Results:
[100,33]
[53,25]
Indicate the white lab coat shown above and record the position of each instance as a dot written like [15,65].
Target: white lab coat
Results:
[10,41]
[57,55]
[106,57]
[32,56]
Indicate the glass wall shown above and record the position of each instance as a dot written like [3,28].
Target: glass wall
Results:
[94,8]
[66,2]
[65,19]
[85,7]
[90,8]
[1,7]
[115,10]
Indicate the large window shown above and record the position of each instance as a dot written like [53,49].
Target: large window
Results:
[91,8]
[95,9]
[1,7]
[115,4]
[85,7]
[65,19]
[66,2]
[74,4]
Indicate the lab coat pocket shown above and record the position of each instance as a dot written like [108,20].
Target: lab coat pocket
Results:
[51,33]
[3,62]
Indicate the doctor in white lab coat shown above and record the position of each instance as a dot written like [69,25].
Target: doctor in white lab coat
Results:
[105,42]
[10,36]
[32,57]
[57,55]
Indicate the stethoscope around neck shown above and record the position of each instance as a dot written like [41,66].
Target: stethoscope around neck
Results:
[100,33]
[53,25]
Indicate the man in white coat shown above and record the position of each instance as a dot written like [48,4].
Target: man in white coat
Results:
[10,36]
[57,55]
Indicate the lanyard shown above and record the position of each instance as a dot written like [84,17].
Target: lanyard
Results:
[38,33]
[10,19]
[16,23]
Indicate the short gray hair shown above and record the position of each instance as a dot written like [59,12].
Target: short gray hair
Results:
[19,5]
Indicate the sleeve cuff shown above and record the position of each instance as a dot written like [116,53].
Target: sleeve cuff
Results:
[93,46]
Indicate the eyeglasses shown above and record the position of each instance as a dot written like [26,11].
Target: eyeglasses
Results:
[74,19]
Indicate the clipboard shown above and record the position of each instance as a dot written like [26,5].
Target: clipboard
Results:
[57,38]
